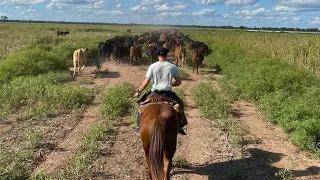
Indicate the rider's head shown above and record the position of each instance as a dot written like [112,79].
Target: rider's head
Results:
[162,53]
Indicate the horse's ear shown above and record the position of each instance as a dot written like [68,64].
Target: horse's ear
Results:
[176,107]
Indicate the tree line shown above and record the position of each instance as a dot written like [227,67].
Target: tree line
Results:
[283,29]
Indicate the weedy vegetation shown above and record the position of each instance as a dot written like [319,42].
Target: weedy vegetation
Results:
[116,100]
[285,90]
[216,108]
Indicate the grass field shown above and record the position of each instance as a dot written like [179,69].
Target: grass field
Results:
[286,92]
[269,69]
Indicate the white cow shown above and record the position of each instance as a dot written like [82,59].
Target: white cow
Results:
[80,57]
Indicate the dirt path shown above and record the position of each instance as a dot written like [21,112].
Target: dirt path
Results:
[66,149]
[202,146]
[204,153]
[274,144]
[123,154]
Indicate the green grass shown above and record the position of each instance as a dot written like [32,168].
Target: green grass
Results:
[34,138]
[40,175]
[85,80]
[30,62]
[214,107]
[41,96]
[183,74]
[180,162]
[211,104]
[180,91]
[87,152]
[116,100]
[286,93]
[12,164]
[284,174]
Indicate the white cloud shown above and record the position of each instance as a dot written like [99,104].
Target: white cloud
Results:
[301,2]
[118,12]
[226,15]
[204,12]
[315,21]
[165,7]
[118,5]
[153,2]
[302,5]
[285,9]
[296,18]
[172,14]
[207,1]
[76,4]
[31,10]
[241,2]
[138,8]
[256,12]
[227,2]
[20,2]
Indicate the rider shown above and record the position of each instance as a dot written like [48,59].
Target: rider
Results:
[161,73]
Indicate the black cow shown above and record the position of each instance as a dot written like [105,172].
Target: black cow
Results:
[62,33]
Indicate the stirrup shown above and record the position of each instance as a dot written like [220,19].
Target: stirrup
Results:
[181,131]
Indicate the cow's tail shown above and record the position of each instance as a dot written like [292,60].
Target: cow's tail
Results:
[156,151]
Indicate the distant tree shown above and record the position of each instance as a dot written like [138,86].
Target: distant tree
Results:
[4,18]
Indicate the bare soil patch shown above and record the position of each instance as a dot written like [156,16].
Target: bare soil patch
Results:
[111,75]
[274,145]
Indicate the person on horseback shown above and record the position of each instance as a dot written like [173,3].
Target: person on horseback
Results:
[161,73]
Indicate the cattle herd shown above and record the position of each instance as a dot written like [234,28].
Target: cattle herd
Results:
[130,47]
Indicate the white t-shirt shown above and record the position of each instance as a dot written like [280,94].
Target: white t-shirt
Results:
[161,74]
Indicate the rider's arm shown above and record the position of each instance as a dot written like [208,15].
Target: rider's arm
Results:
[144,85]
[176,76]
[177,81]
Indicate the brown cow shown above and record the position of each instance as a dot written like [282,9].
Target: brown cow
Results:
[180,55]
[197,58]
[135,52]
[80,57]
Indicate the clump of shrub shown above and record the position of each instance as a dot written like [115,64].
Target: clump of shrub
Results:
[116,100]
[12,164]
[211,104]
[41,96]
[30,62]
[87,152]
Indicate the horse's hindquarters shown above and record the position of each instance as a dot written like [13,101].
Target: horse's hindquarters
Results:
[158,132]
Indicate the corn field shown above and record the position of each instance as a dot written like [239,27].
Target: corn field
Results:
[300,49]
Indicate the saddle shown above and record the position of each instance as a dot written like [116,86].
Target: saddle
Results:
[159,99]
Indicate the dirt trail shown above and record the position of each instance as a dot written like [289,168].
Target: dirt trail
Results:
[67,147]
[203,145]
[275,144]
[204,153]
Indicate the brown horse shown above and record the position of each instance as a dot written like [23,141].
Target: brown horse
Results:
[158,132]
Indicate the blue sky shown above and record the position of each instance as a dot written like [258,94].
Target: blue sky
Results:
[266,13]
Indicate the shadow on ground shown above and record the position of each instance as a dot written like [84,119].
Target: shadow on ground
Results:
[256,166]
